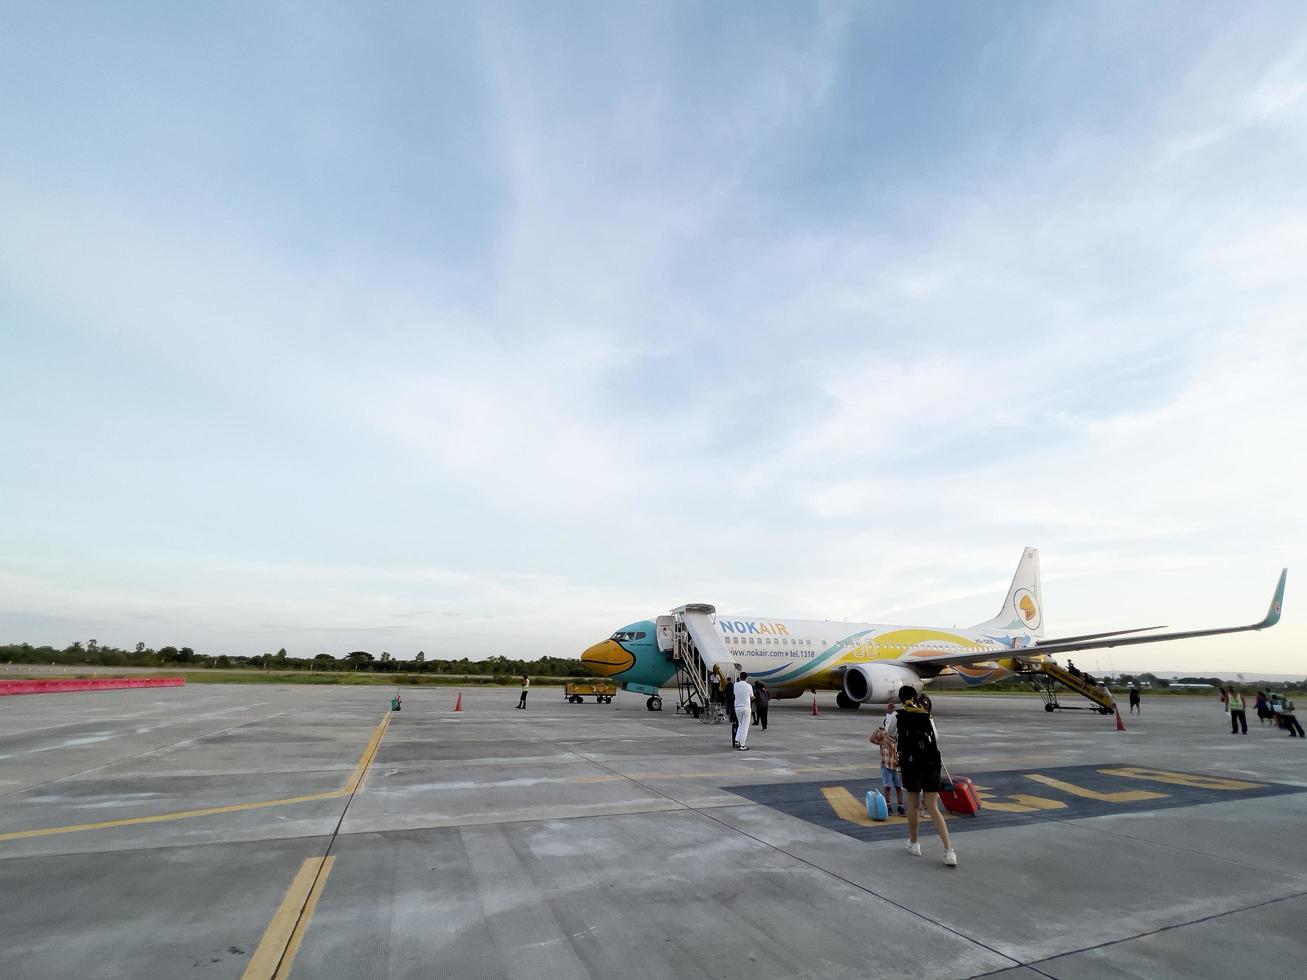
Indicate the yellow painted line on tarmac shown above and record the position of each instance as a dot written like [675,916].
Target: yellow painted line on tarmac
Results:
[281,940]
[164,817]
[365,760]
[733,773]
[351,785]
[297,937]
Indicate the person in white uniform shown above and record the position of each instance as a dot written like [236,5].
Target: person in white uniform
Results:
[743,710]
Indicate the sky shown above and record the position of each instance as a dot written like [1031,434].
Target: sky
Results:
[491,328]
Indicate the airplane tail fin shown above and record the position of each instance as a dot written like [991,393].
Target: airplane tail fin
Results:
[1023,609]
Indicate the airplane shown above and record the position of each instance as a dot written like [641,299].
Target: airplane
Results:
[869,662]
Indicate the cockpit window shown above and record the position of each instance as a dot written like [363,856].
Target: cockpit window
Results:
[626,636]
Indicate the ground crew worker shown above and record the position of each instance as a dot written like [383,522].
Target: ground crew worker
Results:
[1134,699]
[743,710]
[1237,717]
[526,685]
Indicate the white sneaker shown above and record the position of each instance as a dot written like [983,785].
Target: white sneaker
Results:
[914,848]
[950,858]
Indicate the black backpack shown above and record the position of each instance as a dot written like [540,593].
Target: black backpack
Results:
[916,736]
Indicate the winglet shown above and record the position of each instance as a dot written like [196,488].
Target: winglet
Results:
[1277,602]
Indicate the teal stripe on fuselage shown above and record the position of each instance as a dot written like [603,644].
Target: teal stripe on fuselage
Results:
[816,662]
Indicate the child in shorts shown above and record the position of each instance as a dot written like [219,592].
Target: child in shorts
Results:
[889,765]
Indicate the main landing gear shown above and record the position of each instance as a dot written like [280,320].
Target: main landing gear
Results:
[847,703]
[655,703]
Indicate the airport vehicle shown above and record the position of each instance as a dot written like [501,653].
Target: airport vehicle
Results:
[602,691]
[864,662]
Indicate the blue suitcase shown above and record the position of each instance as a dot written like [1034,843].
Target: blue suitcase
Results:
[877,808]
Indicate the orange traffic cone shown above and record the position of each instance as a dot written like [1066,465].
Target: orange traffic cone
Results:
[458,705]
[1120,725]
[815,712]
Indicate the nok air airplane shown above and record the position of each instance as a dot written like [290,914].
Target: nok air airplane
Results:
[869,662]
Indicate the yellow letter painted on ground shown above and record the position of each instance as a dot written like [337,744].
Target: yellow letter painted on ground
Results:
[845,806]
[1179,778]
[1124,796]
[1020,802]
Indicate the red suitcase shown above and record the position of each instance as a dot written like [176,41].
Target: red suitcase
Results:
[958,795]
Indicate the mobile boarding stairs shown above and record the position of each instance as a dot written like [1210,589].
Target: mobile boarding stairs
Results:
[1045,675]
[690,635]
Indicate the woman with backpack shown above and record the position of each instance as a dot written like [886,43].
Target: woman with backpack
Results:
[920,764]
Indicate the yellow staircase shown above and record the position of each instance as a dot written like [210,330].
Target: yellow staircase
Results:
[1045,672]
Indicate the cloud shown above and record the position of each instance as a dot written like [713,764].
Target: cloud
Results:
[822,312]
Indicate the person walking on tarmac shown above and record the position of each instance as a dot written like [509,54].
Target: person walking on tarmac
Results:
[1237,717]
[526,685]
[1134,699]
[920,764]
[743,710]
[726,697]
[1263,708]
[761,698]
[1289,719]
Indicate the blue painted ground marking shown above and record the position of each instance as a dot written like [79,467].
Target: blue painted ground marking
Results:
[1019,797]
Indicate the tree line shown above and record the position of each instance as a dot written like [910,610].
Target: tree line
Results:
[94,654]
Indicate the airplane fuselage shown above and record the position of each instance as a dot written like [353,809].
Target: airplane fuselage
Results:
[869,662]
[794,655]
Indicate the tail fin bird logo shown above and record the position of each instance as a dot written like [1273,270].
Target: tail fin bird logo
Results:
[1027,608]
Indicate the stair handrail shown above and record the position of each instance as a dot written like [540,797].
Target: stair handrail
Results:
[689,660]
[1078,684]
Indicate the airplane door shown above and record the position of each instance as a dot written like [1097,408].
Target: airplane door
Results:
[665,625]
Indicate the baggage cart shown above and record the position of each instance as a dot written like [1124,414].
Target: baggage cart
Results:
[601,691]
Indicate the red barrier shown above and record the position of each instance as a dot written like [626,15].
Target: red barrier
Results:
[56,685]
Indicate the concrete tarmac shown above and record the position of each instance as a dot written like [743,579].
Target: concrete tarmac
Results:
[251,831]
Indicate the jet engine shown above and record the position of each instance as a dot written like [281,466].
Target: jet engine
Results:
[878,683]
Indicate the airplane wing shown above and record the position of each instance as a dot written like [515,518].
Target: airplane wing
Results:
[1095,636]
[1092,641]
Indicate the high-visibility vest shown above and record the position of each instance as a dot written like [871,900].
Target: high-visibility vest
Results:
[1236,701]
